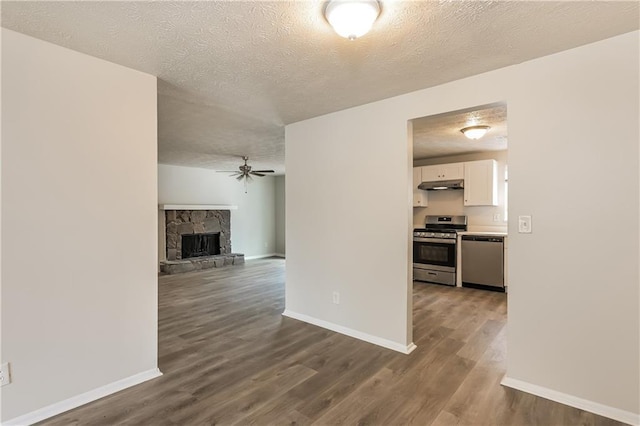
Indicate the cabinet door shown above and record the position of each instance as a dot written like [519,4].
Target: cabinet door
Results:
[431,173]
[419,199]
[419,196]
[481,183]
[440,172]
[452,171]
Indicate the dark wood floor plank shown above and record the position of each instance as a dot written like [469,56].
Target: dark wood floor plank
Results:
[231,406]
[360,400]
[229,357]
[481,339]
[355,371]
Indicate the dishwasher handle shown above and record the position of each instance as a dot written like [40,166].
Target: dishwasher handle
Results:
[484,238]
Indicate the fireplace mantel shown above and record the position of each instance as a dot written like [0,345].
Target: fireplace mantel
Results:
[196,207]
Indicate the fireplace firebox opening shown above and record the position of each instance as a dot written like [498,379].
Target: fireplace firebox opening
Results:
[197,245]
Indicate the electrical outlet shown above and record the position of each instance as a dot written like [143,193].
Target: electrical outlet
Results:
[336,298]
[5,374]
[496,217]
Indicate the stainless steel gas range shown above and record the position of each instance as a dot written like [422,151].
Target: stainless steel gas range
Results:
[434,249]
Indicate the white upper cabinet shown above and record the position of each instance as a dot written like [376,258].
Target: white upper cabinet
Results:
[481,183]
[419,196]
[439,172]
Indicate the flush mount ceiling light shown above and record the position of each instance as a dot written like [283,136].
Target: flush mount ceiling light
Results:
[352,18]
[475,132]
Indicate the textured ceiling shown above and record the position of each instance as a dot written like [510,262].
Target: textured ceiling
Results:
[439,135]
[233,73]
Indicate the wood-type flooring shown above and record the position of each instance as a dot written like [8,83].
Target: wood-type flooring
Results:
[230,357]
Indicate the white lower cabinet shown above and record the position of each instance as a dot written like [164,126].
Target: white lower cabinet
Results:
[419,196]
[481,183]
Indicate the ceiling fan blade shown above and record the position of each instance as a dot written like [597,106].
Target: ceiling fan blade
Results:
[240,177]
[227,171]
[257,174]
[264,171]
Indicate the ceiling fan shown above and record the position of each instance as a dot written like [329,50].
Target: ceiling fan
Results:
[245,173]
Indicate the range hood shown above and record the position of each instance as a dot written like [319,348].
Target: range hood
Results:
[442,184]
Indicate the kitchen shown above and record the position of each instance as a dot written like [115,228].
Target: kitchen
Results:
[460,198]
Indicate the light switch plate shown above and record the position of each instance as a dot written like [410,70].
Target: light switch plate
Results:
[5,374]
[524,224]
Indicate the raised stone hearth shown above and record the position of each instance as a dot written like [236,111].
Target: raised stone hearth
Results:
[197,263]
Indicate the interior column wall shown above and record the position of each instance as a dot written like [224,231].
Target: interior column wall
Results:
[280,216]
[79,283]
[348,223]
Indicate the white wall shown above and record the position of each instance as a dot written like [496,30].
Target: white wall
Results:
[479,218]
[348,221]
[79,286]
[280,215]
[574,294]
[252,225]
[573,308]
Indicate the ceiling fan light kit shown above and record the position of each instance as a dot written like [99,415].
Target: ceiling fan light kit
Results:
[352,18]
[475,132]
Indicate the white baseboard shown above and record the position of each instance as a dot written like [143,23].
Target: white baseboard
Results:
[573,401]
[351,333]
[260,256]
[82,399]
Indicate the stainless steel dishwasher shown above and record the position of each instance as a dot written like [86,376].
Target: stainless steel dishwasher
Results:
[483,262]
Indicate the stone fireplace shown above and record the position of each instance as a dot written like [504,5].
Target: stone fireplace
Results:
[182,223]
[196,238]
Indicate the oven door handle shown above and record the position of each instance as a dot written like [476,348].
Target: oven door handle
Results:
[434,240]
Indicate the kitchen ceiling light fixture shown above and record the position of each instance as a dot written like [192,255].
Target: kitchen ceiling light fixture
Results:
[475,132]
[352,18]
